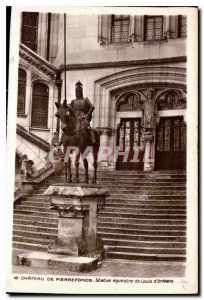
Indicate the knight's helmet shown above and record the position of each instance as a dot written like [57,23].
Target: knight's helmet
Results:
[79,90]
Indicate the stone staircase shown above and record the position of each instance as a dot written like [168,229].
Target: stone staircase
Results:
[144,217]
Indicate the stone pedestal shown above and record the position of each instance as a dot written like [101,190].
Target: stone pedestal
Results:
[77,206]
[148,155]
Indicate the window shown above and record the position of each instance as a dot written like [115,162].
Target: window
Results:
[182,26]
[21,91]
[29,32]
[40,105]
[153,28]
[120,28]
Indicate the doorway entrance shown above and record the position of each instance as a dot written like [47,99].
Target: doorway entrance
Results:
[171,144]
[129,136]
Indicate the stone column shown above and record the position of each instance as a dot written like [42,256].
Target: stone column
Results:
[149,150]
[105,133]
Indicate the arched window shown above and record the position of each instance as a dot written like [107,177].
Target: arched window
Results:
[21,92]
[40,105]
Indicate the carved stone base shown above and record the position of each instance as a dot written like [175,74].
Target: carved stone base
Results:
[78,206]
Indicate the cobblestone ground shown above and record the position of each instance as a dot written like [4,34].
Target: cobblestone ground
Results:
[118,268]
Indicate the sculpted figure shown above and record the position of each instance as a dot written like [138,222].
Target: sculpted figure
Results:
[149,110]
[75,121]
[83,109]
[26,167]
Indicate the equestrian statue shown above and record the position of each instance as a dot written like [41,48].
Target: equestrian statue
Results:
[76,132]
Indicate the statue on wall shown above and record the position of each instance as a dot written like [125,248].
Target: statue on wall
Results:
[148,120]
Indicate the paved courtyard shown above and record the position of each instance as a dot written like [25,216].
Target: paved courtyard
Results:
[118,268]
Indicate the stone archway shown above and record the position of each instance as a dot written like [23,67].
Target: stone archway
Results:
[110,89]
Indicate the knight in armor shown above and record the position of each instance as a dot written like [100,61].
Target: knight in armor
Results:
[83,109]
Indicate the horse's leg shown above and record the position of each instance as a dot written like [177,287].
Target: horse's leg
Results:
[69,179]
[77,168]
[95,158]
[86,167]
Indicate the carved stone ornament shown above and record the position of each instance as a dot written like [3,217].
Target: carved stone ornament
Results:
[99,207]
[105,131]
[35,76]
[148,136]
[69,211]
[36,62]
[172,101]
[131,102]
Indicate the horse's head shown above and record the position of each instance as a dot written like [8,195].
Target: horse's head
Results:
[63,114]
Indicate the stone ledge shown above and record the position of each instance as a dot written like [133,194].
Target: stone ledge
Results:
[82,190]
[60,262]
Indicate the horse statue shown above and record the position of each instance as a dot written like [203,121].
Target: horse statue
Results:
[76,132]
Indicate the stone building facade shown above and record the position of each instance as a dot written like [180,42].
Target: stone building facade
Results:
[133,69]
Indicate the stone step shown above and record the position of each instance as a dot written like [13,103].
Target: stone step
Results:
[140,221]
[26,207]
[129,190]
[153,227]
[138,250]
[146,257]
[119,196]
[34,228]
[122,203]
[162,181]
[150,202]
[49,224]
[35,218]
[33,234]
[136,184]
[130,180]
[144,209]
[43,196]
[137,237]
[144,244]
[115,230]
[137,215]
[31,240]
[29,246]
[143,203]
[35,212]
[45,204]
[151,174]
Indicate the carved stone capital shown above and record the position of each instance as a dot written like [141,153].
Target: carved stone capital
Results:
[99,207]
[148,136]
[106,131]
[68,211]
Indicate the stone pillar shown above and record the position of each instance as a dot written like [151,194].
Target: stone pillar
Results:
[105,133]
[77,207]
[149,150]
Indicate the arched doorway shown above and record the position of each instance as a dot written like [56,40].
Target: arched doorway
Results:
[129,133]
